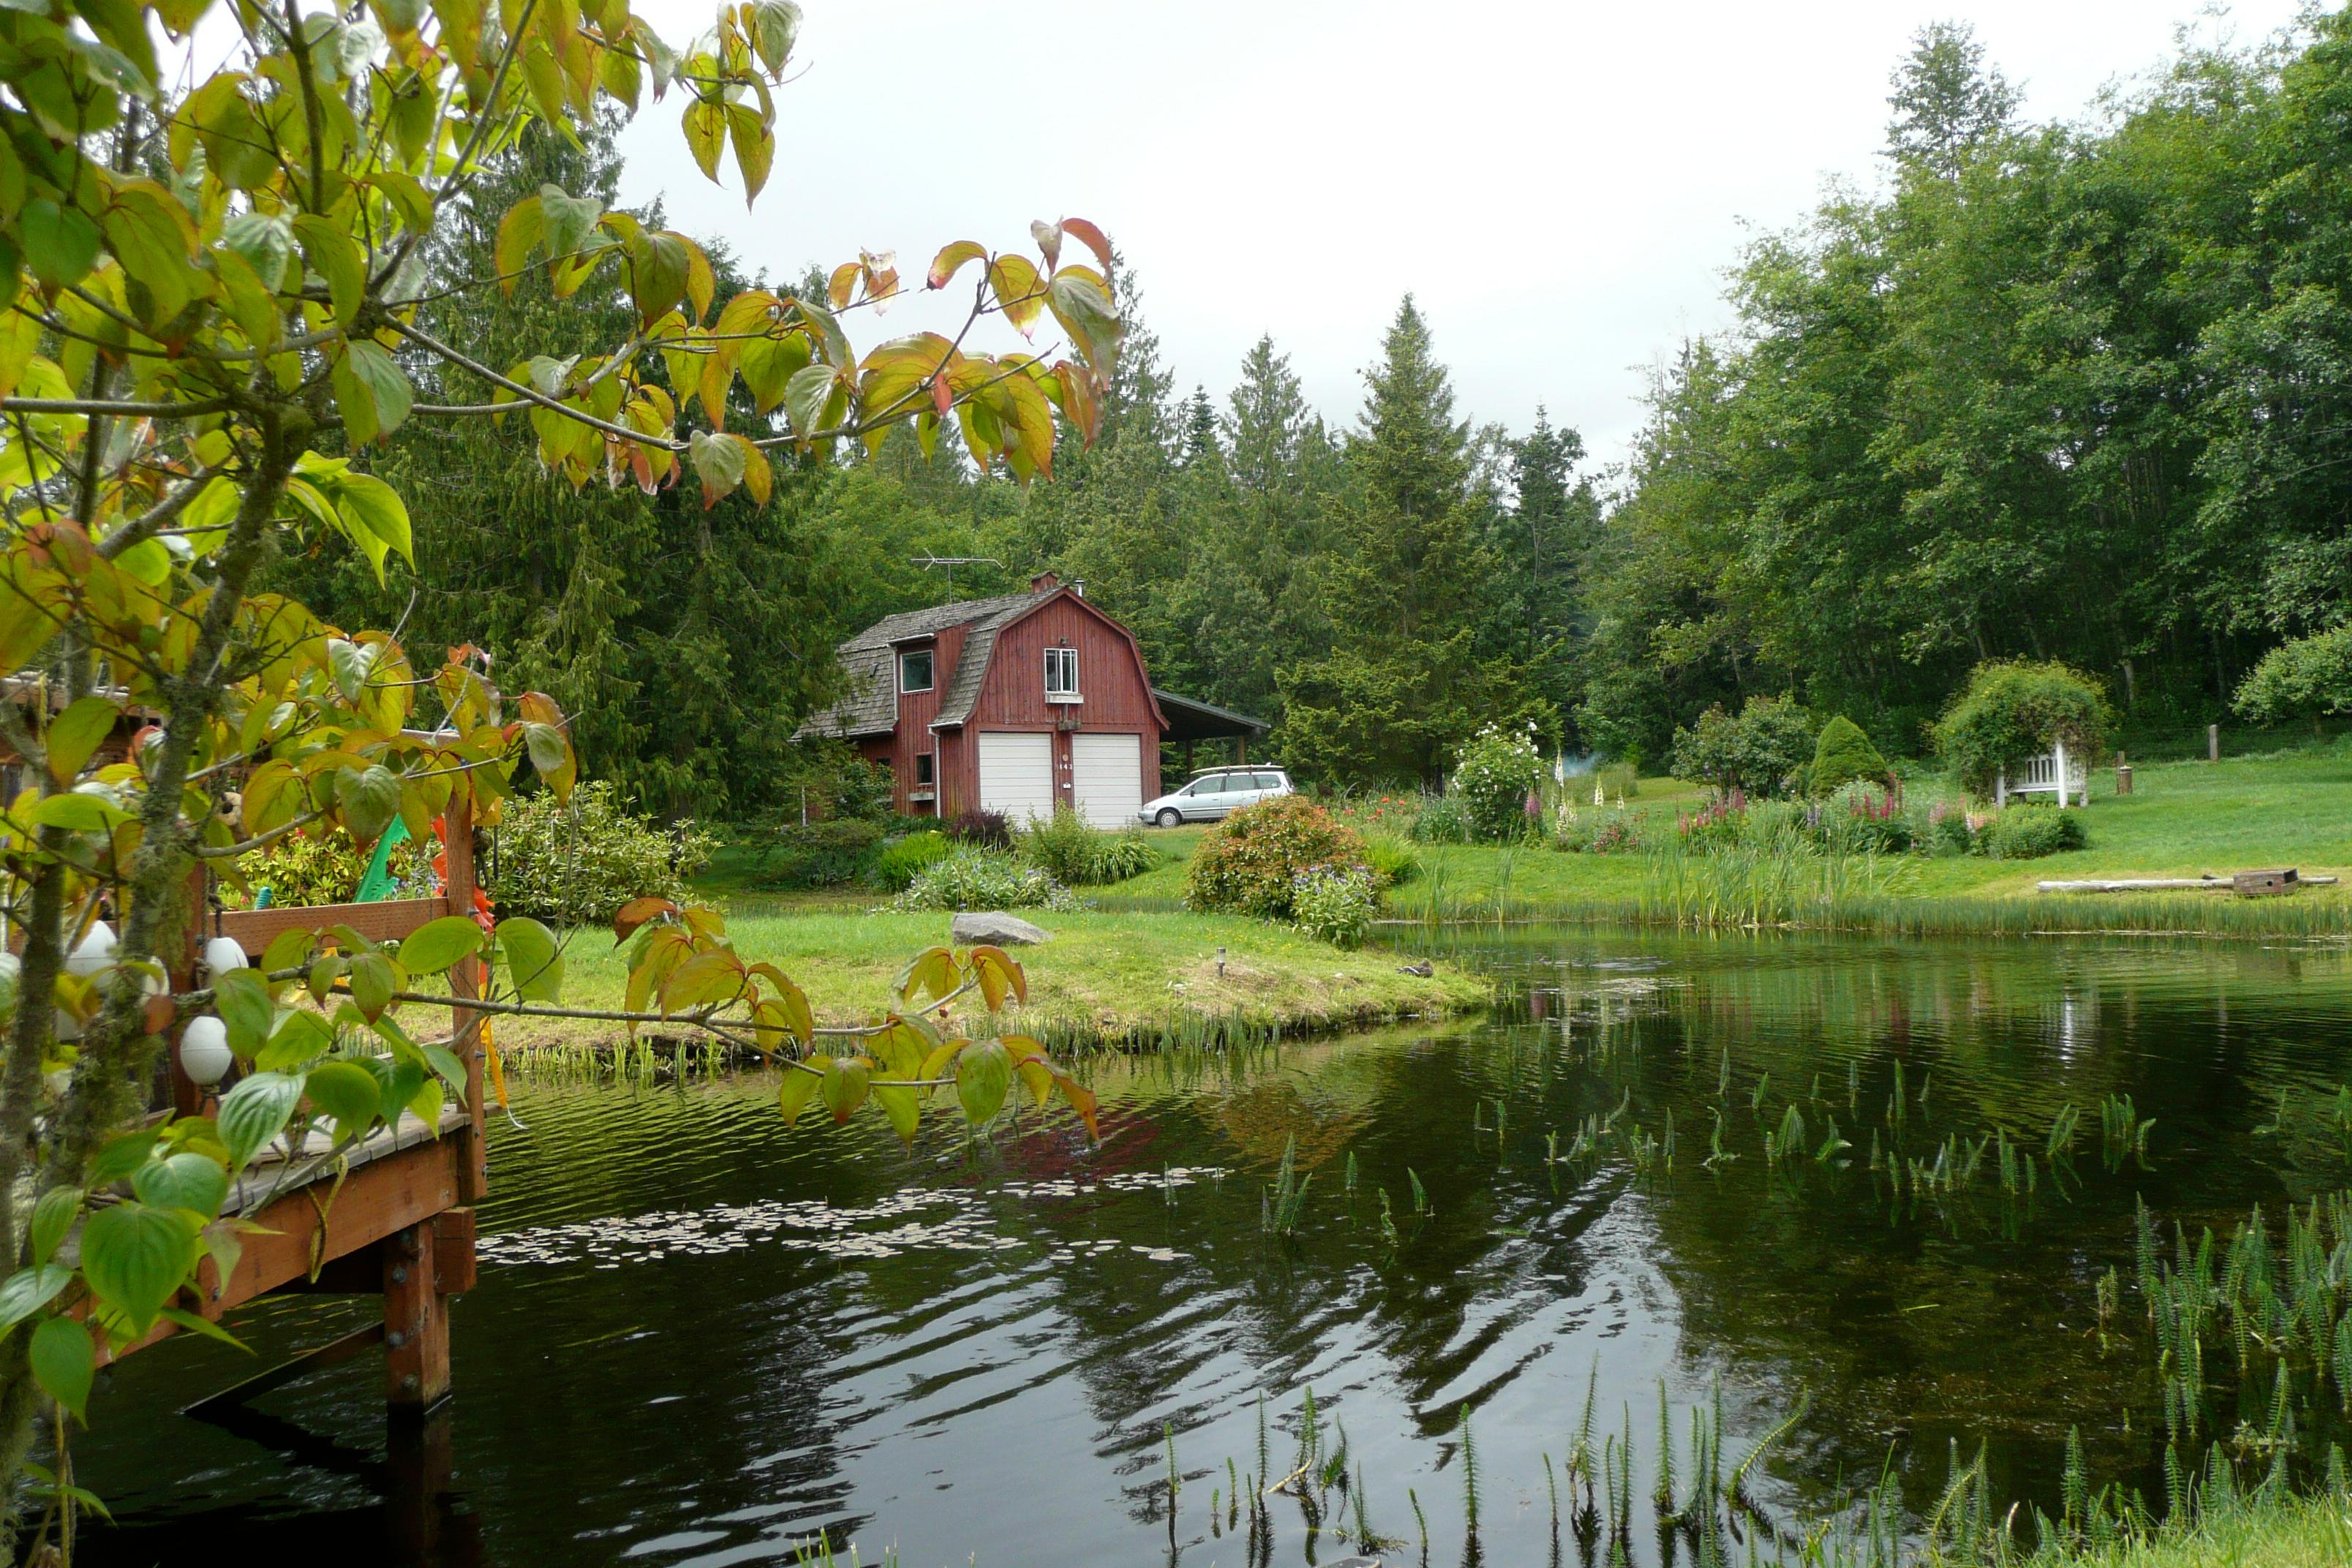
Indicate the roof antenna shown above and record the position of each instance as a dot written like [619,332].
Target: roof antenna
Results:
[951,563]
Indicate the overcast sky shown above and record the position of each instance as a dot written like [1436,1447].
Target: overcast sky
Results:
[1561,184]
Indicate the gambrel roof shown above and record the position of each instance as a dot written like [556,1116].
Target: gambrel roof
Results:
[871,704]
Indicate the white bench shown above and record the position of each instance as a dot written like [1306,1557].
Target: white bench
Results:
[2043,776]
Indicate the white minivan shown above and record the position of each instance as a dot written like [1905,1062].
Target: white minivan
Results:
[1215,793]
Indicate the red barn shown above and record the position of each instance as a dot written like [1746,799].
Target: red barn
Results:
[1013,704]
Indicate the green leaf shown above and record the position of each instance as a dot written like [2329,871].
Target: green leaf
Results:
[336,257]
[347,1092]
[534,966]
[53,1217]
[29,1291]
[367,505]
[288,950]
[79,812]
[192,1323]
[184,1180]
[847,1081]
[135,1256]
[433,948]
[241,997]
[254,1111]
[74,734]
[264,241]
[983,1073]
[371,394]
[60,243]
[719,463]
[302,1038]
[794,1093]
[901,1106]
[64,1363]
[370,799]
[374,978]
[805,395]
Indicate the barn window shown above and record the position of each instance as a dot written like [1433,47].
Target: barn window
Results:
[926,766]
[1061,675]
[914,670]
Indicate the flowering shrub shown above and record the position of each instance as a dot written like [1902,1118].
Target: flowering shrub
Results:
[969,878]
[1335,904]
[1499,770]
[1595,832]
[1253,859]
[1767,749]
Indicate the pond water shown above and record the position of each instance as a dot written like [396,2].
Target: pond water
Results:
[701,1339]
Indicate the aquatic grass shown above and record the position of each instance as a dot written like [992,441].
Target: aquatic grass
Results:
[1280,1206]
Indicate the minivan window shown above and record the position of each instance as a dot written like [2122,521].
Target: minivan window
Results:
[1268,781]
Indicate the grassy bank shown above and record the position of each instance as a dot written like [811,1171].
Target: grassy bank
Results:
[1108,978]
[2182,819]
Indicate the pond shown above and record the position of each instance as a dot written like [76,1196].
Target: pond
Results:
[700,1338]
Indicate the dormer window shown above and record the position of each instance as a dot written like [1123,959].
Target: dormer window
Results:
[1062,675]
[915,670]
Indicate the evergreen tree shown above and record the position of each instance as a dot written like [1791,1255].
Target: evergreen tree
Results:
[1401,682]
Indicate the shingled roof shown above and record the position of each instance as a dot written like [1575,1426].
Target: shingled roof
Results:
[871,706]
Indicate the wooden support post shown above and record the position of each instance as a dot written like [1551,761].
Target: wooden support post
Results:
[466,980]
[415,1323]
[1241,748]
[2212,743]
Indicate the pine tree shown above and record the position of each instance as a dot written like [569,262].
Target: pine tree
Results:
[1411,573]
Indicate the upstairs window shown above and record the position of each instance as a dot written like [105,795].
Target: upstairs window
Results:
[1061,675]
[915,670]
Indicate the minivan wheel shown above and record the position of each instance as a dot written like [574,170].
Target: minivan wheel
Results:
[1170,818]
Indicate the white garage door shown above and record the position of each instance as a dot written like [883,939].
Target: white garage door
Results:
[1107,773]
[1017,774]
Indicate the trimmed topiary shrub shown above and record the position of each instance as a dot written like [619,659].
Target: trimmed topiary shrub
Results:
[2012,711]
[1253,862]
[1842,755]
[2030,832]
[578,864]
[1499,770]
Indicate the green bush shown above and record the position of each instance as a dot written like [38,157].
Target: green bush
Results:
[579,863]
[1335,904]
[832,853]
[2030,832]
[325,869]
[973,879]
[1443,819]
[1253,859]
[1765,751]
[2012,711]
[1073,851]
[1497,774]
[1395,862]
[900,859]
[1842,755]
[2305,678]
[827,778]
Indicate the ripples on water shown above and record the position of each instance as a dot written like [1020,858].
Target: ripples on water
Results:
[700,1338]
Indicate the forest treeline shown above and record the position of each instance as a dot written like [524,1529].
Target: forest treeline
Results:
[2073,391]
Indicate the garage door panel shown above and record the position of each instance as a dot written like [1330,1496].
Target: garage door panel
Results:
[1106,775]
[1017,774]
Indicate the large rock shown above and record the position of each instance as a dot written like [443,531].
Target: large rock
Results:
[995,927]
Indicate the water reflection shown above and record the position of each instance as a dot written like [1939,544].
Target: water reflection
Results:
[701,1339]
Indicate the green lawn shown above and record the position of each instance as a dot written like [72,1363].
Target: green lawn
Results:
[2182,819]
[1103,974]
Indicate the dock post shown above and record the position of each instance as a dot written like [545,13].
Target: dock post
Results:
[415,1323]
